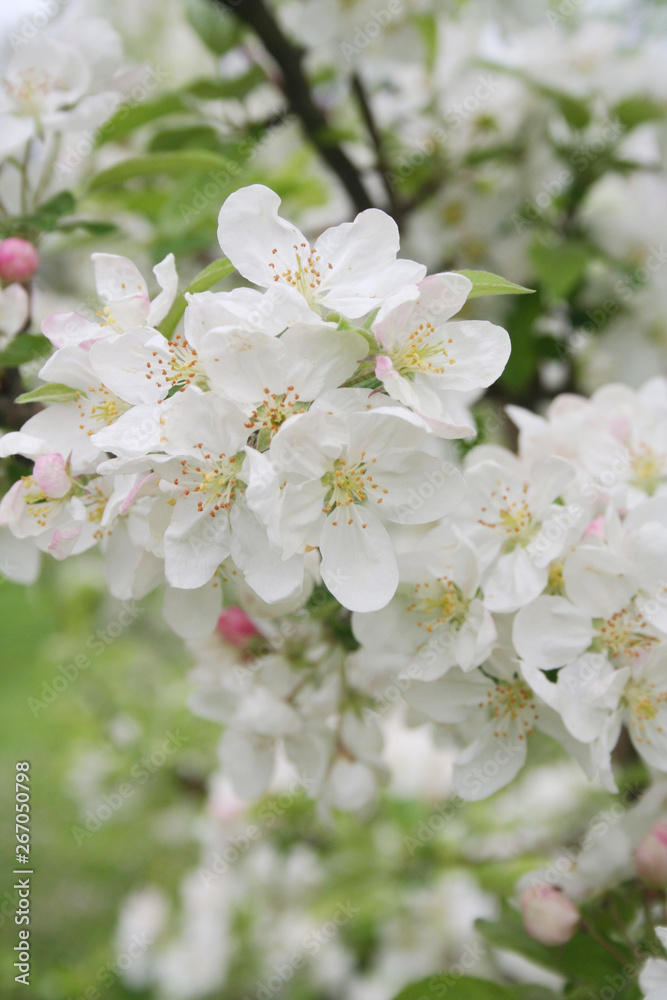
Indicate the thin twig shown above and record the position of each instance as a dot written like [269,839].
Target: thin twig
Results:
[382,165]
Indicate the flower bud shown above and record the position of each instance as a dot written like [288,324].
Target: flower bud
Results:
[18,260]
[50,474]
[651,855]
[235,626]
[548,915]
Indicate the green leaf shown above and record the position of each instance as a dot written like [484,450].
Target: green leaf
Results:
[26,347]
[210,276]
[62,203]
[218,29]
[574,110]
[637,110]
[485,283]
[178,162]
[188,137]
[582,959]
[560,268]
[232,89]
[93,226]
[46,216]
[52,392]
[470,988]
[129,117]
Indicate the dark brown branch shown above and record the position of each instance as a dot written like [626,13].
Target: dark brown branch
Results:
[257,15]
[13,415]
[359,92]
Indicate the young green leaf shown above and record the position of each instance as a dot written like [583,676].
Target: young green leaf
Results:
[178,162]
[210,276]
[52,392]
[485,283]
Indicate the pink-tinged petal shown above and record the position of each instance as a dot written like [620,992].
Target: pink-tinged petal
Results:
[129,499]
[69,329]
[63,540]
[596,528]
[50,474]
[384,368]
[11,505]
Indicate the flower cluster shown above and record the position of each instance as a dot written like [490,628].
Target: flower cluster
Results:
[258,434]
[297,435]
[540,603]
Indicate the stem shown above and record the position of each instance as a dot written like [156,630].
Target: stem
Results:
[382,166]
[210,276]
[24,178]
[47,168]
[607,945]
[615,916]
[257,15]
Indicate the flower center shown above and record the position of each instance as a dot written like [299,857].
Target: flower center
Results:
[514,519]
[556,580]
[28,87]
[648,469]
[99,406]
[306,277]
[416,353]
[182,369]
[348,484]
[39,504]
[623,633]
[274,410]
[644,704]
[439,605]
[512,701]
[214,479]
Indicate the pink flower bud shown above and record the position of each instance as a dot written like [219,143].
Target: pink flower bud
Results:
[50,474]
[18,260]
[235,626]
[651,855]
[548,915]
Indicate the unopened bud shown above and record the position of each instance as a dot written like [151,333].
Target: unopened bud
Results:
[18,260]
[236,627]
[651,855]
[548,915]
[50,474]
